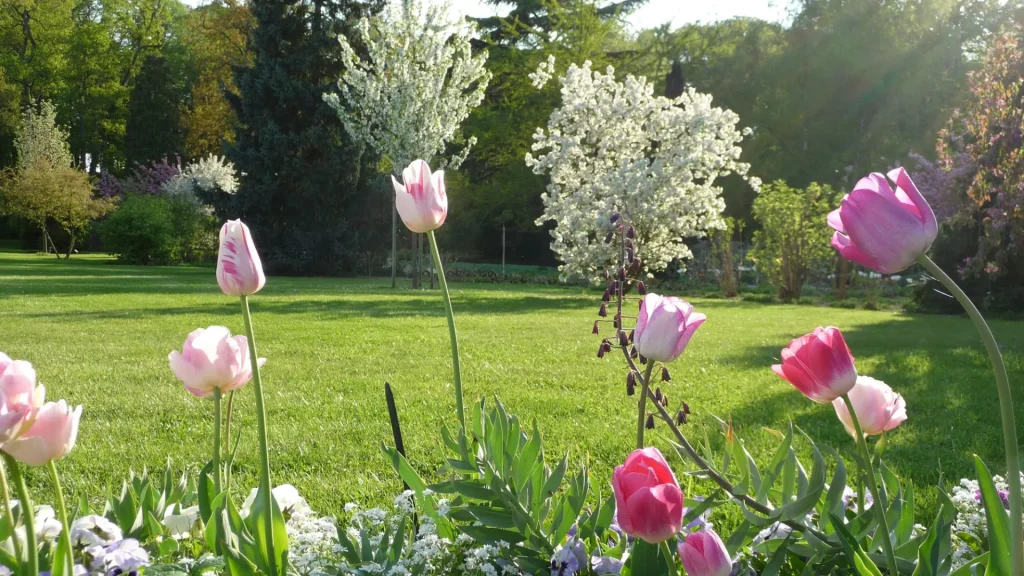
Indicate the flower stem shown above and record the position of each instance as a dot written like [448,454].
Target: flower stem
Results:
[62,509]
[641,415]
[227,437]
[9,510]
[459,408]
[1005,409]
[669,560]
[881,506]
[261,433]
[217,472]
[28,514]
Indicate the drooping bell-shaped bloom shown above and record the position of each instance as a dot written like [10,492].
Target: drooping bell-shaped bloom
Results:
[878,408]
[239,270]
[881,228]
[212,358]
[704,554]
[648,500]
[420,198]
[20,397]
[819,364]
[664,327]
[51,436]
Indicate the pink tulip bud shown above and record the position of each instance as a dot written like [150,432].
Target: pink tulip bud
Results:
[51,436]
[878,408]
[819,364]
[704,554]
[665,326]
[421,200]
[239,270]
[211,358]
[883,229]
[648,500]
[20,397]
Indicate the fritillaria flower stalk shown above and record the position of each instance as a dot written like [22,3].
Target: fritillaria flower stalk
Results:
[662,328]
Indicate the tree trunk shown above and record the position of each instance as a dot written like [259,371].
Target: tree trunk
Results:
[844,275]
[394,242]
[71,246]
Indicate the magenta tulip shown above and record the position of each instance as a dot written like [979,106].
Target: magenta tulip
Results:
[819,364]
[665,327]
[51,436]
[212,358]
[704,554]
[20,397]
[421,200]
[878,408]
[883,229]
[648,500]
[239,270]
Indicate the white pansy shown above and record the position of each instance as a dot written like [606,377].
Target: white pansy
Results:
[418,82]
[181,522]
[615,147]
[94,530]
[287,498]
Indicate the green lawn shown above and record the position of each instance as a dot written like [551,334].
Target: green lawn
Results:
[99,335]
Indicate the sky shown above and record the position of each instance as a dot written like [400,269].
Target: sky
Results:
[655,12]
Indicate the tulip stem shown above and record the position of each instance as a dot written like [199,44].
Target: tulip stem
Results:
[641,416]
[669,560]
[227,437]
[452,335]
[217,472]
[9,511]
[881,506]
[261,433]
[1005,409]
[62,509]
[28,514]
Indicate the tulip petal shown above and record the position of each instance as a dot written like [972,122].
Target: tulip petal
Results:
[835,221]
[914,196]
[656,513]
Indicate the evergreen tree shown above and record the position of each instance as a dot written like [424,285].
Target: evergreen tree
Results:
[153,130]
[301,174]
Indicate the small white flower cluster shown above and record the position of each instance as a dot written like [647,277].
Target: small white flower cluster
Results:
[313,542]
[429,554]
[615,147]
[969,528]
[419,81]
[208,174]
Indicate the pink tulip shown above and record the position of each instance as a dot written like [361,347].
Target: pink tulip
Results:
[239,270]
[648,500]
[819,364]
[421,201]
[51,436]
[665,327]
[883,229]
[878,408]
[20,397]
[211,358]
[704,554]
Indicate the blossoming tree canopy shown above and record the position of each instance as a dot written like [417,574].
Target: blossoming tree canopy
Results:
[614,146]
[418,81]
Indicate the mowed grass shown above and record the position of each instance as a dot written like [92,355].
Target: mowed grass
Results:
[99,335]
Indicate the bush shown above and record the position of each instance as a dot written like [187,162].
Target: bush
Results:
[155,230]
[141,231]
[794,237]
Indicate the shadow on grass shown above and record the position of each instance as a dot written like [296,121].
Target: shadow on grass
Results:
[940,367]
[326,297]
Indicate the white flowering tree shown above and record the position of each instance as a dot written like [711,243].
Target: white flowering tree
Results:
[615,147]
[418,82]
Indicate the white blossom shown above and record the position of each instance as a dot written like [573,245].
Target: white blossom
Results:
[419,81]
[615,147]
